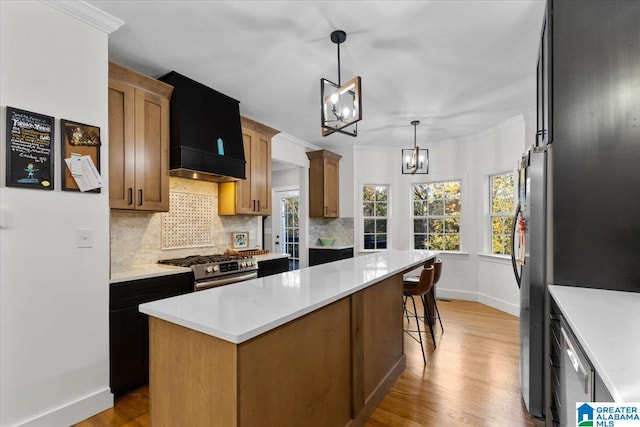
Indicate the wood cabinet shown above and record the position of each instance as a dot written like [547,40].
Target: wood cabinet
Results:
[324,183]
[138,141]
[129,329]
[251,196]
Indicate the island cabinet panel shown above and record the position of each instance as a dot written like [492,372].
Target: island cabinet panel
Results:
[382,337]
[192,376]
[330,367]
[302,377]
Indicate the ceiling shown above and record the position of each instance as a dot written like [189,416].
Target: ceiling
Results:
[457,66]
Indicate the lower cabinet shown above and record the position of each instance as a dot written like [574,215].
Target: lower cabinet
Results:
[129,329]
[273,266]
[322,256]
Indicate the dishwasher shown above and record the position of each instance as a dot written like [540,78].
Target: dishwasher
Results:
[576,375]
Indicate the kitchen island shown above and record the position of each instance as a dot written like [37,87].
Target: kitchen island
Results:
[319,346]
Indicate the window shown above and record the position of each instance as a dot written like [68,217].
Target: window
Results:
[501,202]
[436,215]
[375,200]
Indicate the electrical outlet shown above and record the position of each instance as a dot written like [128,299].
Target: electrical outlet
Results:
[84,237]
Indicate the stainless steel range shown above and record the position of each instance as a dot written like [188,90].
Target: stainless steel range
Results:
[210,271]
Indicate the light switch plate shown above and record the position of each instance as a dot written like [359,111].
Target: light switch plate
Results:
[5,218]
[84,237]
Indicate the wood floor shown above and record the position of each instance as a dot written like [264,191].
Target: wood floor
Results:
[470,379]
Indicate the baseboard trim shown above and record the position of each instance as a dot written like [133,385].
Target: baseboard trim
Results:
[499,304]
[74,412]
[496,303]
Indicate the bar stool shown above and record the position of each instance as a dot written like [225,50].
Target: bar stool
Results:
[420,289]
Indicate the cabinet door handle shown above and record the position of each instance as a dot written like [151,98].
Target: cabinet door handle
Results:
[140,197]
[326,211]
[258,205]
[130,196]
[254,205]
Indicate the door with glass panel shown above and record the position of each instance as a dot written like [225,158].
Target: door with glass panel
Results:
[288,233]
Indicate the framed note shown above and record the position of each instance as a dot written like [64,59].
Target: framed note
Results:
[79,139]
[240,239]
[29,149]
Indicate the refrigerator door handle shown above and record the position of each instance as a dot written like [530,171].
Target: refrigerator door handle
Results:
[513,244]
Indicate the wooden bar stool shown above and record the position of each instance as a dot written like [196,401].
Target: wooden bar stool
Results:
[420,289]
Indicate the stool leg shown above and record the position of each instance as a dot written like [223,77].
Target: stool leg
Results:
[404,308]
[415,312]
[427,314]
[435,304]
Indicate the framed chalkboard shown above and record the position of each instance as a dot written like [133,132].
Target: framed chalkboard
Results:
[29,149]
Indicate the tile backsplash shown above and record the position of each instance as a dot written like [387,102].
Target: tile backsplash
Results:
[191,227]
[339,228]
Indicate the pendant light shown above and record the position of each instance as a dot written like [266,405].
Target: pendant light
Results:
[414,160]
[340,104]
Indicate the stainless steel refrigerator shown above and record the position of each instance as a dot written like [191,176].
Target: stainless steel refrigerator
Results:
[529,258]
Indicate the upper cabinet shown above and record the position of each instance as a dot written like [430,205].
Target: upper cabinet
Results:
[324,182]
[251,196]
[138,141]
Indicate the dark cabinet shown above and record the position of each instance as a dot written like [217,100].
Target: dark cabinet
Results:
[594,131]
[129,329]
[273,266]
[322,256]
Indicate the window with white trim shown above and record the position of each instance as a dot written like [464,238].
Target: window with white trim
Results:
[436,215]
[501,206]
[375,211]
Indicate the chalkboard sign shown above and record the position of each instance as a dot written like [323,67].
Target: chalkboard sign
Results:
[29,149]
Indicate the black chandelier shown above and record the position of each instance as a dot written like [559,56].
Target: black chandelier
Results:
[340,104]
[414,160]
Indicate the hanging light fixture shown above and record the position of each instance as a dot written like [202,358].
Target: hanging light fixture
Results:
[414,160]
[340,104]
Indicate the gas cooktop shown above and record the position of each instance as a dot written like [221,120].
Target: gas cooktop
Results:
[192,260]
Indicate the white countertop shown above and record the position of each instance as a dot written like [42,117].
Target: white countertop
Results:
[244,310]
[607,325]
[144,271]
[335,247]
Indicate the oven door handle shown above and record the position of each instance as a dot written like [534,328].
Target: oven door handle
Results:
[226,280]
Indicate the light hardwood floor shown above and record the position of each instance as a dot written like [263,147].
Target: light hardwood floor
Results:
[471,378]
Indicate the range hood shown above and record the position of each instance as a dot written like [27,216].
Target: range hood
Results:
[206,135]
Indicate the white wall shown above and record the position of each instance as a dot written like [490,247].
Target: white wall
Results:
[471,274]
[54,348]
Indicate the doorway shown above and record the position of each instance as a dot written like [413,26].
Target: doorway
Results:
[287,226]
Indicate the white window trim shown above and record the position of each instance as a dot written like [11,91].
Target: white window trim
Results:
[489,222]
[463,198]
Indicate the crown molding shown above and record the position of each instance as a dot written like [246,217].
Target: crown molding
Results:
[87,13]
[297,141]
